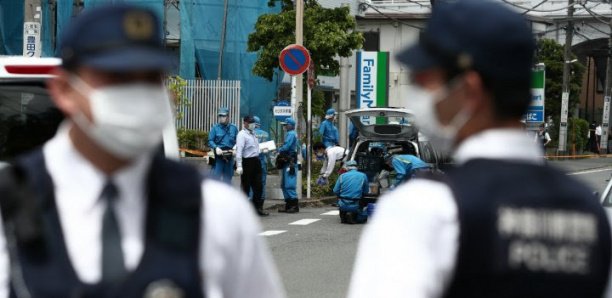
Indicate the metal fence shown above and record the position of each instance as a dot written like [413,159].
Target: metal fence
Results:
[205,97]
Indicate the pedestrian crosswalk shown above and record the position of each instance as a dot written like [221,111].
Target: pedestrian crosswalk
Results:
[305,221]
[272,232]
[301,222]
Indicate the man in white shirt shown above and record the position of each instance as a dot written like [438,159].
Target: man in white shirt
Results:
[331,155]
[97,212]
[500,224]
[248,165]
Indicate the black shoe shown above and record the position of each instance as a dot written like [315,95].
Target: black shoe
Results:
[293,210]
[284,210]
[262,213]
[349,218]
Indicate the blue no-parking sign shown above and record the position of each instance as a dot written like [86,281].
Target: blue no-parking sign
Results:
[294,59]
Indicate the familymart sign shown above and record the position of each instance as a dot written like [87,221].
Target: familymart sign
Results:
[372,86]
[535,111]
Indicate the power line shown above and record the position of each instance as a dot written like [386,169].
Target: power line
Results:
[390,17]
[532,8]
[595,15]
[536,6]
[596,29]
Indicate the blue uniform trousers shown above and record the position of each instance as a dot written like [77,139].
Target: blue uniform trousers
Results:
[224,169]
[289,184]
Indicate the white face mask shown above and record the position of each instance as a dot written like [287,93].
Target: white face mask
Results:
[423,104]
[251,126]
[128,120]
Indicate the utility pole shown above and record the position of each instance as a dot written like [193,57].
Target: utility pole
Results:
[606,112]
[345,100]
[32,28]
[569,31]
[297,96]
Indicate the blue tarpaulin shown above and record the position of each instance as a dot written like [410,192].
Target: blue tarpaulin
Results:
[11,27]
[256,93]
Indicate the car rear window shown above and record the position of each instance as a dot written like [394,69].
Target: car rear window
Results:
[28,117]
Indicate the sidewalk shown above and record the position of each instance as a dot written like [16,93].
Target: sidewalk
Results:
[576,165]
[274,197]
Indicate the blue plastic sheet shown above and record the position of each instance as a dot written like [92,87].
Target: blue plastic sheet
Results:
[257,93]
[64,15]
[11,27]
[46,34]
[187,60]
[155,5]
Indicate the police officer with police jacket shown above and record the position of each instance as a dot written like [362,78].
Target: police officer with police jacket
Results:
[502,223]
[96,212]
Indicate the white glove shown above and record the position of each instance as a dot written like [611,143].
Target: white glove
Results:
[218,151]
[239,171]
[265,151]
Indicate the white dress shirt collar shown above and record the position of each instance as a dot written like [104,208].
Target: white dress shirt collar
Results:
[73,171]
[509,144]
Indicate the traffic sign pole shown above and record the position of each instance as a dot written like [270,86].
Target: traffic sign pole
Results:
[295,60]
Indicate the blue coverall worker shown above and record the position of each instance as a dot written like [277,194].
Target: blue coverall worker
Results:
[222,137]
[353,133]
[289,171]
[350,188]
[405,166]
[262,137]
[329,132]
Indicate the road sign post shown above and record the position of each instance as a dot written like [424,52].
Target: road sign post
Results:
[295,60]
[563,122]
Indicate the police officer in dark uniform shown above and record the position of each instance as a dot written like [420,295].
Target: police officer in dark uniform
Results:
[502,223]
[97,212]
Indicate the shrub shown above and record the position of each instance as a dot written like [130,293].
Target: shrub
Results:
[192,139]
[317,191]
[577,133]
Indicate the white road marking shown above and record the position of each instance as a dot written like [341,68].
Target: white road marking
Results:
[333,212]
[305,221]
[591,171]
[271,233]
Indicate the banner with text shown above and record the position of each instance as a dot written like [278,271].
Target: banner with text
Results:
[535,111]
[372,86]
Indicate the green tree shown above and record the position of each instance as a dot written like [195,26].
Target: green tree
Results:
[328,33]
[551,54]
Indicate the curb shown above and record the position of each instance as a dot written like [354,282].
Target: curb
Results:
[317,202]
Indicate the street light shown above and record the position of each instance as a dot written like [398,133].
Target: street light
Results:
[571,61]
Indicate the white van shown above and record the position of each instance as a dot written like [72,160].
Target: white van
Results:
[381,129]
[28,117]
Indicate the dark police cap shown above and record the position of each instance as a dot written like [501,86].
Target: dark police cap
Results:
[115,38]
[474,34]
[248,119]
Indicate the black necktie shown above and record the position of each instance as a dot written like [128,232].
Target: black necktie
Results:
[113,267]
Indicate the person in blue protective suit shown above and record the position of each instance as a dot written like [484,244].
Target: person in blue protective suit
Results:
[350,188]
[262,136]
[405,166]
[289,169]
[221,139]
[353,134]
[329,132]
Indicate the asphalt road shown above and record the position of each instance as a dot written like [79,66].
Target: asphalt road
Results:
[314,253]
